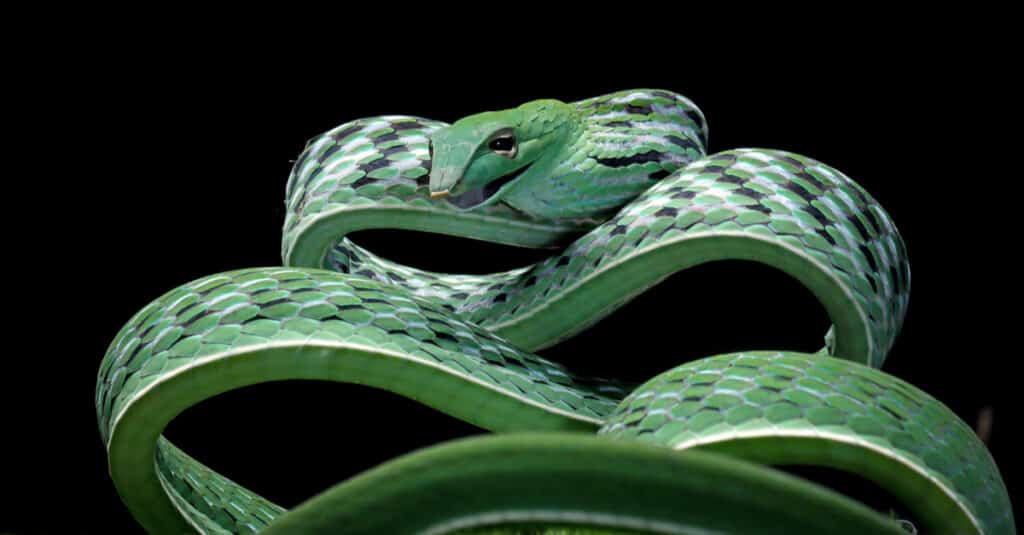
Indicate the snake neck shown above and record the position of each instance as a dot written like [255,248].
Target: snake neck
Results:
[609,152]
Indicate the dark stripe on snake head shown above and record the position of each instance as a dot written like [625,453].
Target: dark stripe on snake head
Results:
[651,156]
[476,196]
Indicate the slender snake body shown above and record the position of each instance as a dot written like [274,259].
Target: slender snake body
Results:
[622,185]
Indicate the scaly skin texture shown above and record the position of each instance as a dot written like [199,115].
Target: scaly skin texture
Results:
[621,187]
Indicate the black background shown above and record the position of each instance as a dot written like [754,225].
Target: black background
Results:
[179,172]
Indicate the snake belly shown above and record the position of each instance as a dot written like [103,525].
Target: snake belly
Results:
[570,451]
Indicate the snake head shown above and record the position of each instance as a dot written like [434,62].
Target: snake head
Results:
[475,157]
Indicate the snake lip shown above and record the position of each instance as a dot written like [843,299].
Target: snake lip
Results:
[478,196]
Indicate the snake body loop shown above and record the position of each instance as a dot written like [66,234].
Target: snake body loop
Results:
[621,188]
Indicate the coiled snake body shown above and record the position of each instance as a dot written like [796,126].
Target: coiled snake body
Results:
[625,177]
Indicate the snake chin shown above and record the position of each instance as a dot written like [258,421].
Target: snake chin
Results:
[478,196]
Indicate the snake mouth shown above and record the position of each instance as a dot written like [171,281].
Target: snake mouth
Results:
[478,196]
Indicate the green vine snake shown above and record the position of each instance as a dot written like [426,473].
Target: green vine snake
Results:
[621,184]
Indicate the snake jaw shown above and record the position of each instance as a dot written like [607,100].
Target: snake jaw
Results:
[484,194]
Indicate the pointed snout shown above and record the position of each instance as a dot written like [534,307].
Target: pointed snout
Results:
[442,180]
[448,165]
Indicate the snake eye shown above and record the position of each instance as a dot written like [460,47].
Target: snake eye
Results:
[504,145]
